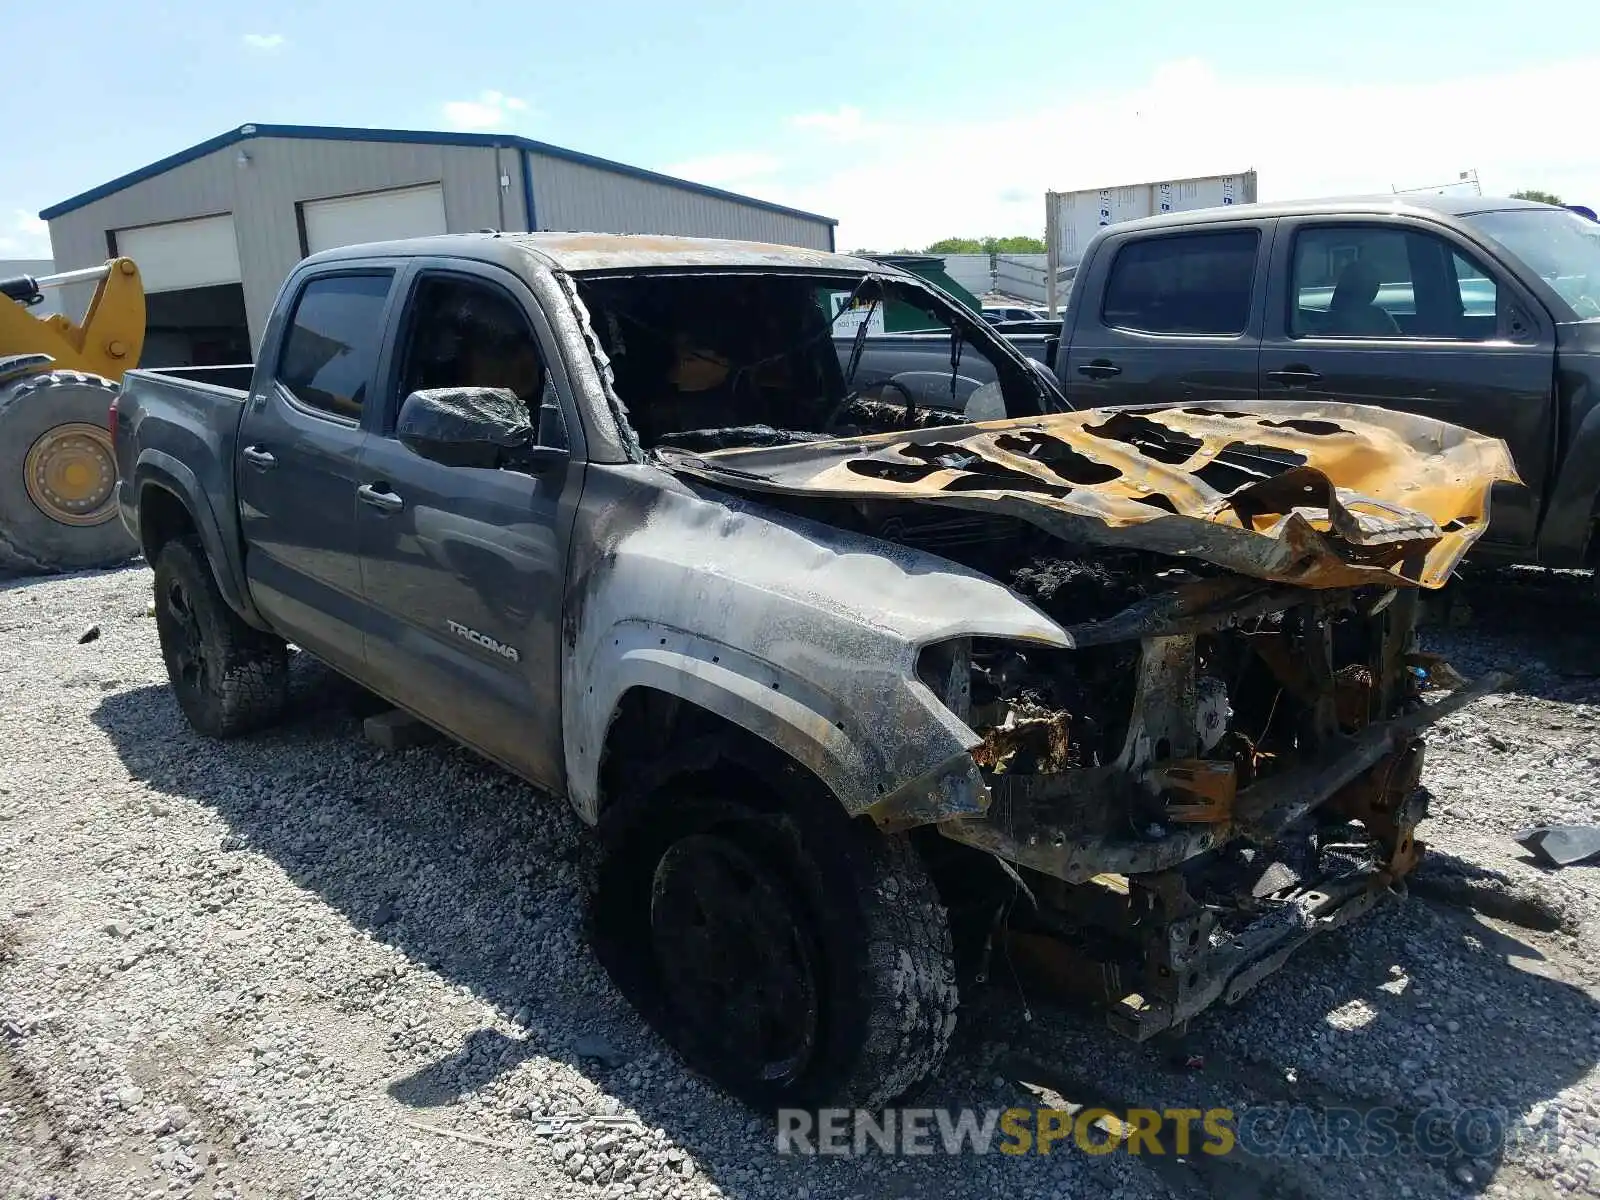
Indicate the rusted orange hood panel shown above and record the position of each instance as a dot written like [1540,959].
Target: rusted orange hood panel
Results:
[1320,495]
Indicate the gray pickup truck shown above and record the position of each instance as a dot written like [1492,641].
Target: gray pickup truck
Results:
[1478,311]
[855,693]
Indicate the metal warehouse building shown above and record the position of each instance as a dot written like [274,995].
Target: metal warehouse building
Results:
[216,228]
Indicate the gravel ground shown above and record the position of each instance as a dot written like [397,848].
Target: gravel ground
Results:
[297,966]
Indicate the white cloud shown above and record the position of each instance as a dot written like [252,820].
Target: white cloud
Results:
[265,42]
[1305,136]
[491,110]
[843,124]
[24,236]
[727,170]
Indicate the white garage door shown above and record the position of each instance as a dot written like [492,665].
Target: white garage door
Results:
[183,254]
[374,217]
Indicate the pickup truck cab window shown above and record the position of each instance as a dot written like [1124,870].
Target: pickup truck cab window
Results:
[465,332]
[1558,245]
[1192,283]
[331,345]
[1367,281]
[708,361]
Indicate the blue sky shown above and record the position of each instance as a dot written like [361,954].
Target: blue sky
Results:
[907,121]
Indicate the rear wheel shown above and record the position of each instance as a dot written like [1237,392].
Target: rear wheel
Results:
[229,678]
[58,504]
[792,955]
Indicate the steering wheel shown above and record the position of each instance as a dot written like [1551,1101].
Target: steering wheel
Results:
[830,425]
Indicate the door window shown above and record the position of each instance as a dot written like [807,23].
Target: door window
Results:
[332,343]
[467,333]
[1372,282]
[1191,283]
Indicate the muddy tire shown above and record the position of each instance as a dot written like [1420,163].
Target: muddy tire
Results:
[57,476]
[793,956]
[229,678]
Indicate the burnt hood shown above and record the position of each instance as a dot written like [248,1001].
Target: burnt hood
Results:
[1318,495]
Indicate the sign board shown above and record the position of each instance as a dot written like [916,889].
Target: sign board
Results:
[845,323]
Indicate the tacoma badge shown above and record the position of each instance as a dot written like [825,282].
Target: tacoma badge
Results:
[484,640]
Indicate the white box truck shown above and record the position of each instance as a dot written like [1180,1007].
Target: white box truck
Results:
[1071,219]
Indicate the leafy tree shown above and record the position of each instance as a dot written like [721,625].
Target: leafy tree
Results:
[988,245]
[1014,245]
[957,245]
[1535,194]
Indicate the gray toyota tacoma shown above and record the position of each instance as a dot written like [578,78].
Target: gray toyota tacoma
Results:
[858,689]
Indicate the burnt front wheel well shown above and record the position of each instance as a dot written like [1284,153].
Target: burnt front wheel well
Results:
[162,518]
[655,737]
[795,955]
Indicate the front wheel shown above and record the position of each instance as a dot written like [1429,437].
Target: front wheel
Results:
[228,677]
[795,957]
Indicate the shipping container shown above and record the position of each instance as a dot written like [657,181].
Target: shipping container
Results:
[1073,218]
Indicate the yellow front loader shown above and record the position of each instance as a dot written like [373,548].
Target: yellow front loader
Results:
[58,503]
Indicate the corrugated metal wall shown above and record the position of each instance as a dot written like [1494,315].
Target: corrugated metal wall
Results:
[262,196]
[575,196]
[1022,276]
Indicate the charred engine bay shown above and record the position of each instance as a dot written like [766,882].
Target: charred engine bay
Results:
[1071,709]
[1151,733]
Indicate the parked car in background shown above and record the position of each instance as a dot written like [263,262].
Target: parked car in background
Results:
[1478,311]
[1002,314]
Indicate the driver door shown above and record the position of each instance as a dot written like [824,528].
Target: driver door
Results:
[464,568]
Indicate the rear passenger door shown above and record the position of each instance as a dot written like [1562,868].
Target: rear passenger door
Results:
[1401,314]
[464,568]
[298,456]
[1169,317]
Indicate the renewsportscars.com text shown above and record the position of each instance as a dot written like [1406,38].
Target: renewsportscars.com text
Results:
[1271,1131]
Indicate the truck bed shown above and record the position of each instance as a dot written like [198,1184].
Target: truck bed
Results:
[228,377]
[180,425]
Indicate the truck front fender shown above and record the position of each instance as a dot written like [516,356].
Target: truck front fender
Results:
[841,742]
[158,470]
[800,633]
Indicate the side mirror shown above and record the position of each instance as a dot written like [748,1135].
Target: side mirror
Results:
[472,427]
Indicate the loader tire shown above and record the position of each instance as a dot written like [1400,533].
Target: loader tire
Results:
[58,502]
[791,954]
[229,678]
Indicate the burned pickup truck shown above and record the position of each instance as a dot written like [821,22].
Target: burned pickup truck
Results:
[858,689]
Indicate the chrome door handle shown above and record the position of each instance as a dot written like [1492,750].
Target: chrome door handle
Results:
[384,501]
[1294,376]
[258,458]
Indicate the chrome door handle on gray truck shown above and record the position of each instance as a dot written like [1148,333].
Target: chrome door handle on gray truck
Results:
[379,497]
[258,458]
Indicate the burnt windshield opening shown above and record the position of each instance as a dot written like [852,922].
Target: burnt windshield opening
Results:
[708,361]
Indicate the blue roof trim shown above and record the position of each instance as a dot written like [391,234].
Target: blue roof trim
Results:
[337,133]
[530,213]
